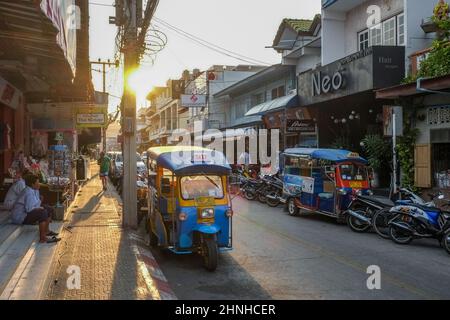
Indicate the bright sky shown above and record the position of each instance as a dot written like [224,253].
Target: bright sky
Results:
[242,26]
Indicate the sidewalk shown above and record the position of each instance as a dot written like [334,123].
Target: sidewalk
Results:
[114,263]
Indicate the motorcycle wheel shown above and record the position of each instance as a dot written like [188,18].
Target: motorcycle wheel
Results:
[357,225]
[261,197]
[292,208]
[249,195]
[380,223]
[398,236]
[446,242]
[273,202]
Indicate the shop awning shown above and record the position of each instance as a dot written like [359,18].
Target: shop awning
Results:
[409,90]
[273,105]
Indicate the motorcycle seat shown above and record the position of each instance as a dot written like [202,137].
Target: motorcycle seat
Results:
[425,208]
[381,200]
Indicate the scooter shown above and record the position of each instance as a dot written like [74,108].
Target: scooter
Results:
[415,221]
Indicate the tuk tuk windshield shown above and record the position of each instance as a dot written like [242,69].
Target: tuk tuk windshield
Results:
[353,172]
[201,186]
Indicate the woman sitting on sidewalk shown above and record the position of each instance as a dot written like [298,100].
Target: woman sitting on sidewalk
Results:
[28,210]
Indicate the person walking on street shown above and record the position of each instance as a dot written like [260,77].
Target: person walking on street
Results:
[104,162]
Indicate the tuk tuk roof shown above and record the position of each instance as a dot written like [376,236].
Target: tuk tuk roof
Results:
[335,155]
[200,160]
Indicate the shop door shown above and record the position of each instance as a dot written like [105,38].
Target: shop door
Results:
[422,165]
[440,161]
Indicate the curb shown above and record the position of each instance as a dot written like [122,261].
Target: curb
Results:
[157,283]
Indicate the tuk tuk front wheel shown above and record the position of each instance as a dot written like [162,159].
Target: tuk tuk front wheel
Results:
[210,254]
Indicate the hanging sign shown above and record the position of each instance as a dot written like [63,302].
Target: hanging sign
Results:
[94,117]
[298,126]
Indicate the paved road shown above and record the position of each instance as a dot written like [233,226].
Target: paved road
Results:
[276,256]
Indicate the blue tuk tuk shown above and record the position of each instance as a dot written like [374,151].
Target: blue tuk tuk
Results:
[189,208]
[322,180]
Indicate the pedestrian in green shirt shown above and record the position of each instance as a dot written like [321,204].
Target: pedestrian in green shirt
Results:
[104,162]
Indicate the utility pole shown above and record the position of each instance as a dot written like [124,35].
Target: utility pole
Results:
[104,64]
[129,118]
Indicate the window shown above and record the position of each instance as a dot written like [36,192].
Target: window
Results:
[193,187]
[257,99]
[281,91]
[376,38]
[363,38]
[278,92]
[401,30]
[353,172]
[389,32]
[274,93]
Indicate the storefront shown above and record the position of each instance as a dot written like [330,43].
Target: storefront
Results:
[298,127]
[341,96]
[427,108]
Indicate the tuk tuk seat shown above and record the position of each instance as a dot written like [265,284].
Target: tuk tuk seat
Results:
[326,195]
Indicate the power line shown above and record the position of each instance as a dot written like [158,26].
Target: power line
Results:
[208,44]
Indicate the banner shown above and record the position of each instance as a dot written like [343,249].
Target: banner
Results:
[65,16]
[10,95]
[193,100]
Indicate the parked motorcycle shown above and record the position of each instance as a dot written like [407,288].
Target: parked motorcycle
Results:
[381,218]
[415,221]
[274,191]
[367,211]
[249,188]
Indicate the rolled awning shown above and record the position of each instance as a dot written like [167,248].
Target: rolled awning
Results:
[273,105]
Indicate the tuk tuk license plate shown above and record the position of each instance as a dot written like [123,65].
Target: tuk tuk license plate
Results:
[355,184]
[204,201]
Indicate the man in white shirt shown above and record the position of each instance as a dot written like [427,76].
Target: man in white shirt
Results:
[29,210]
[14,191]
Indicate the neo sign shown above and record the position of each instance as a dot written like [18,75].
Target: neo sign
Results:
[325,84]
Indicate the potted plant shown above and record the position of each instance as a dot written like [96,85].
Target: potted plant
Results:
[378,152]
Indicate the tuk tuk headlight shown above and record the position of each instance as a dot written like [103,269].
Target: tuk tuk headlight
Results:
[342,192]
[207,213]
[182,216]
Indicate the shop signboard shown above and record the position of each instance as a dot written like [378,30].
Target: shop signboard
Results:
[193,100]
[94,117]
[373,68]
[300,126]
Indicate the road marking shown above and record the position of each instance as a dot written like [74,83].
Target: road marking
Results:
[341,259]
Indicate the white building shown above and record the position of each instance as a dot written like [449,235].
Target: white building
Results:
[349,26]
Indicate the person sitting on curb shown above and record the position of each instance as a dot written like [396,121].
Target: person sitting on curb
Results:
[15,190]
[28,210]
